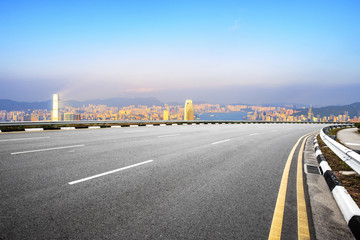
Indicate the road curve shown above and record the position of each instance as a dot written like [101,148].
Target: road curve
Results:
[171,182]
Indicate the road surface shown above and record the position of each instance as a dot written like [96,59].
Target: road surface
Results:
[170,182]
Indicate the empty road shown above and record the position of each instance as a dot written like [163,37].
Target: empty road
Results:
[170,182]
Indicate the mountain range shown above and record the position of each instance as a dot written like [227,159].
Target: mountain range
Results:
[352,109]
[10,105]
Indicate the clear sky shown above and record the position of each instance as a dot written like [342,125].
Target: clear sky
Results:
[216,51]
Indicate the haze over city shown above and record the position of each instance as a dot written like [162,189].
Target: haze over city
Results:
[216,51]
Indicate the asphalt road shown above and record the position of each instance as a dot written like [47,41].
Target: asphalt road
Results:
[350,137]
[191,182]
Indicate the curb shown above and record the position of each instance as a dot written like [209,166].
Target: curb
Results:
[67,128]
[33,129]
[347,205]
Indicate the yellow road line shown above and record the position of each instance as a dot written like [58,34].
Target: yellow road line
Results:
[303,225]
[276,224]
[277,221]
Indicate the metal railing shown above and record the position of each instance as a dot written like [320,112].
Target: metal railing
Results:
[350,157]
[108,123]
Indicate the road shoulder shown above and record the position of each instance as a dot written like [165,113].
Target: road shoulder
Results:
[328,220]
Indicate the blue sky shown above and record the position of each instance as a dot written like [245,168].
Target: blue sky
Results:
[264,51]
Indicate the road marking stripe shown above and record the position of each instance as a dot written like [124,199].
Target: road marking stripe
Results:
[221,141]
[135,131]
[170,135]
[47,149]
[277,221]
[253,134]
[303,225]
[21,139]
[109,172]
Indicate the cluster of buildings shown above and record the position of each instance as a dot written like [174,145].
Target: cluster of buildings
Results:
[279,114]
[189,111]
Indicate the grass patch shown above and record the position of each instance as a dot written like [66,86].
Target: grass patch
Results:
[351,183]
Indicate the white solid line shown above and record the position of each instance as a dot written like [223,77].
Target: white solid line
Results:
[221,141]
[354,144]
[253,134]
[109,172]
[21,139]
[170,135]
[274,130]
[47,149]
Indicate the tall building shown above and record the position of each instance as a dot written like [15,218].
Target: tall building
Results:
[55,112]
[310,114]
[188,110]
[166,115]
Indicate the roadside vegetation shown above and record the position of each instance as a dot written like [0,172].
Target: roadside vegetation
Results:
[340,168]
[358,126]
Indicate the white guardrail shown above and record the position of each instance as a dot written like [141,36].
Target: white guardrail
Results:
[350,157]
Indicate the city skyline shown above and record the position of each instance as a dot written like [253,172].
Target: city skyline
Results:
[61,111]
[220,52]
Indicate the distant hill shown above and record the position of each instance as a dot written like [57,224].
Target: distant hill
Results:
[117,102]
[10,105]
[353,109]
[286,105]
[183,103]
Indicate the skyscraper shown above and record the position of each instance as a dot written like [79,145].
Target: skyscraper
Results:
[55,112]
[188,110]
[310,114]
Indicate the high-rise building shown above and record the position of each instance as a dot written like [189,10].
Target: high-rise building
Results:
[166,115]
[55,112]
[188,110]
[310,114]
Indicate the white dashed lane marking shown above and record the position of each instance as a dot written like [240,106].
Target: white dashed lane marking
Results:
[47,149]
[109,172]
[170,135]
[21,139]
[221,141]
